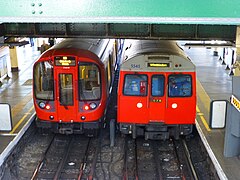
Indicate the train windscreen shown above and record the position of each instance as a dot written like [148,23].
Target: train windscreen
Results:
[135,85]
[180,86]
[89,82]
[43,81]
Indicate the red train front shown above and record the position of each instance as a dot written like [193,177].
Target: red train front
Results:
[157,90]
[71,83]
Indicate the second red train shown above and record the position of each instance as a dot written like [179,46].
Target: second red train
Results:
[156,91]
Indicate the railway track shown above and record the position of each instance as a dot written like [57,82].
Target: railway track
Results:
[49,156]
[56,156]
[150,160]
[66,157]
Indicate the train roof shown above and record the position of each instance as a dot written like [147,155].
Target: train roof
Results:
[140,53]
[139,47]
[91,45]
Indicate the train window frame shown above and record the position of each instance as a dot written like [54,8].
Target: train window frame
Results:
[80,97]
[180,75]
[72,89]
[146,91]
[50,96]
[163,89]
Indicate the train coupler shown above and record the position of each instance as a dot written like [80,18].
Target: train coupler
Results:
[156,135]
[65,131]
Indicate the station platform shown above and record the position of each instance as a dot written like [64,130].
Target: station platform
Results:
[16,90]
[213,83]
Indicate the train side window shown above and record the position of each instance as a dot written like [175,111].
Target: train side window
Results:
[157,85]
[43,81]
[66,89]
[180,86]
[89,81]
[135,85]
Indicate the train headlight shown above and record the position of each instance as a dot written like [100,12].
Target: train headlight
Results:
[93,105]
[86,107]
[42,105]
[174,105]
[48,107]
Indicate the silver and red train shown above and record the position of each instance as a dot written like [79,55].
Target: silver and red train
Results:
[71,82]
[156,91]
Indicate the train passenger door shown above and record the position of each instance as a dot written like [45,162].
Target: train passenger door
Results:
[66,106]
[157,99]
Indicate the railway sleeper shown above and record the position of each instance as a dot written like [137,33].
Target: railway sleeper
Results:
[156,131]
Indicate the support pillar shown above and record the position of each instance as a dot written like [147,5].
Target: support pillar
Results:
[4,54]
[231,73]
[14,58]
[39,43]
[215,52]
[223,58]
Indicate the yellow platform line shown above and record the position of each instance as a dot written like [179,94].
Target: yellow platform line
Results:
[201,115]
[202,94]
[21,120]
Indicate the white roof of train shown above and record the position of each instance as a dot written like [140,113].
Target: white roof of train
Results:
[140,54]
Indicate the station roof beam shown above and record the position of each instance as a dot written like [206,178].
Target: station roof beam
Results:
[122,30]
[152,19]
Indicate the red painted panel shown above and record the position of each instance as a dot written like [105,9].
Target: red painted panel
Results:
[132,109]
[182,110]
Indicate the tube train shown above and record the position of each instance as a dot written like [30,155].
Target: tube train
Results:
[156,91]
[71,82]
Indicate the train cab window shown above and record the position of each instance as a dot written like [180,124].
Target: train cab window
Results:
[179,86]
[157,85]
[135,85]
[89,81]
[43,81]
[66,89]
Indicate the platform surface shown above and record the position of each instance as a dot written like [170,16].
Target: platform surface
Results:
[214,83]
[17,91]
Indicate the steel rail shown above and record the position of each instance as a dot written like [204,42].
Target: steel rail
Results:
[188,156]
[84,160]
[43,158]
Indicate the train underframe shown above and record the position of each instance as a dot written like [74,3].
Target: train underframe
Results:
[156,131]
[90,129]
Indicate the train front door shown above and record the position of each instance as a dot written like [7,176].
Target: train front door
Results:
[157,98]
[66,106]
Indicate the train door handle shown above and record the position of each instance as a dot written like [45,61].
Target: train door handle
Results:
[76,85]
[166,96]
